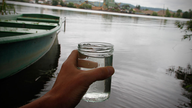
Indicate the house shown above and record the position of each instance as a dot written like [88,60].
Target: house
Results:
[136,10]
[163,12]
[147,12]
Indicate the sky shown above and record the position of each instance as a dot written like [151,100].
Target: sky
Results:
[174,5]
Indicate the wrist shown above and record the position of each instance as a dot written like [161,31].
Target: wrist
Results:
[46,101]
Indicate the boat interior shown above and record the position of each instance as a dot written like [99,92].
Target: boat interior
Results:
[14,25]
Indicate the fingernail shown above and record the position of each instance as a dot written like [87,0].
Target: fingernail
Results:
[110,71]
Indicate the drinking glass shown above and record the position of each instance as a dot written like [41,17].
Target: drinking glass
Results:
[96,54]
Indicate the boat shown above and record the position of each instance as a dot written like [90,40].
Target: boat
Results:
[24,39]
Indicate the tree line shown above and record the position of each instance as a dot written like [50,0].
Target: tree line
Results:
[178,14]
[186,14]
[70,4]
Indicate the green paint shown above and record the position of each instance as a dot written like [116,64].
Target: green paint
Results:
[13,34]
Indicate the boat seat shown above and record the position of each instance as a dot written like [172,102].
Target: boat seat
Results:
[27,24]
[11,31]
[38,19]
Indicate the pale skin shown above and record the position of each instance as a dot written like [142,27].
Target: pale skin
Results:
[71,83]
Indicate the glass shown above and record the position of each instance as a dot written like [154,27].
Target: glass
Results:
[98,54]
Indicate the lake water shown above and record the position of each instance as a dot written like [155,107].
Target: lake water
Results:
[145,47]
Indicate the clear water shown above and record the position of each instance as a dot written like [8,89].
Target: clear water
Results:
[99,90]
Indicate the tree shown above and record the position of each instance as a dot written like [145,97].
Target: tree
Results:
[190,13]
[62,3]
[126,6]
[179,11]
[138,7]
[131,9]
[154,14]
[173,15]
[70,4]
[36,1]
[185,14]
[168,14]
[54,2]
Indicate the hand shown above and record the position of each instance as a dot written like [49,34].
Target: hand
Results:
[71,83]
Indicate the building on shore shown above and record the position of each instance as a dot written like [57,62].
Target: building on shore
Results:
[109,4]
[147,12]
[163,13]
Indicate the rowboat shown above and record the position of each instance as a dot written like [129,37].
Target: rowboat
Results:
[25,38]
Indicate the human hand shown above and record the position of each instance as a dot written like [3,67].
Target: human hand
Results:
[72,83]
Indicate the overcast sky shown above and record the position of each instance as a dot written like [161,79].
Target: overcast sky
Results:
[174,5]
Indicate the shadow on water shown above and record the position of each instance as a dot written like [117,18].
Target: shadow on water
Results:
[22,87]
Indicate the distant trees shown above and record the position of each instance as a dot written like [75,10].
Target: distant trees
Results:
[126,6]
[138,7]
[85,6]
[187,14]
[178,14]
[168,14]
[36,1]
[115,10]
[71,5]
[173,15]
[62,3]
[55,2]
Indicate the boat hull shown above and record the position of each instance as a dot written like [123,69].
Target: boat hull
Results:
[20,51]
[19,55]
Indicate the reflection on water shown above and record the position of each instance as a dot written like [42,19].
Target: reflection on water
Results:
[21,88]
[144,47]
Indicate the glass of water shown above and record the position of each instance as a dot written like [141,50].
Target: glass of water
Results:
[102,54]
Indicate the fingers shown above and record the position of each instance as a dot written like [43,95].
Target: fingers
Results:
[73,57]
[94,74]
[100,73]
[87,64]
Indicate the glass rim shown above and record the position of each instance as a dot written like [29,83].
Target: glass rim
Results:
[103,44]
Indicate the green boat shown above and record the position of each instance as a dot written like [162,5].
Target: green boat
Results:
[25,38]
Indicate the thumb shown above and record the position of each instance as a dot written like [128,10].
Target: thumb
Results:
[100,73]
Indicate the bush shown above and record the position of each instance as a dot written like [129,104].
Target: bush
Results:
[71,5]
[85,6]
[115,10]
[54,3]
[154,14]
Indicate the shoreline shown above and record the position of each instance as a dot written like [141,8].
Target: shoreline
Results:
[92,11]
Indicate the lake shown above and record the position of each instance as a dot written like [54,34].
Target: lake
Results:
[144,48]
